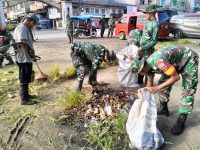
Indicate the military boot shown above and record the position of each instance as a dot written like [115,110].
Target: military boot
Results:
[163,110]
[79,86]
[24,96]
[178,128]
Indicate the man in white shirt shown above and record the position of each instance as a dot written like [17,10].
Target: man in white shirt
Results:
[24,56]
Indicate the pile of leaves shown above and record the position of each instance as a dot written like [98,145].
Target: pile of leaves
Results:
[101,119]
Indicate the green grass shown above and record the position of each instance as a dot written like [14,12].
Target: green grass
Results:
[54,73]
[163,44]
[73,99]
[109,134]
[70,72]
[14,115]
[9,83]
[104,65]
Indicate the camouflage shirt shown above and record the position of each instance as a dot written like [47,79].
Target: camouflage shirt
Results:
[102,22]
[111,23]
[69,25]
[90,54]
[170,59]
[149,37]
[134,37]
[7,36]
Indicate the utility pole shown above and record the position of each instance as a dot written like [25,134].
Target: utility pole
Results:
[25,8]
[2,17]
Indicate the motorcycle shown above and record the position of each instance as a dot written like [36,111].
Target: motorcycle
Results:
[82,33]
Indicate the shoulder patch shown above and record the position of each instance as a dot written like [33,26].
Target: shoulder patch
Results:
[166,67]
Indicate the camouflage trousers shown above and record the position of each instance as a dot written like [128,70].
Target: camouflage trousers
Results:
[82,70]
[110,32]
[70,36]
[189,76]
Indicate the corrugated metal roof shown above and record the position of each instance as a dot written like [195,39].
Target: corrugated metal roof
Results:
[98,2]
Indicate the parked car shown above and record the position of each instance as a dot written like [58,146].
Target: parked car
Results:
[137,20]
[11,24]
[185,25]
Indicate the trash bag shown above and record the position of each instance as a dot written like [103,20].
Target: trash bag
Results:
[141,123]
[124,72]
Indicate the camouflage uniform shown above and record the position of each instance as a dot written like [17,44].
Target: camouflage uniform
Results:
[7,38]
[111,28]
[185,62]
[69,29]
[87,56]
[134,37]
[149,37]
[102,22]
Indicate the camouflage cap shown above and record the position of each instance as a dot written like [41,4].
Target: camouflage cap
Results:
[150,9]
[137,65]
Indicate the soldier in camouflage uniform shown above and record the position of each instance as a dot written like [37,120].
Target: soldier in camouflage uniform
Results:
[89,56]
[149,36]
[69,28]
[134,37]
[6,37]
[171,62]
[111,24]
[102,22]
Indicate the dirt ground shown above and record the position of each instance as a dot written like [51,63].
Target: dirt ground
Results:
[35,129]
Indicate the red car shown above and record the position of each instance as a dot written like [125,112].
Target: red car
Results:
[137,21]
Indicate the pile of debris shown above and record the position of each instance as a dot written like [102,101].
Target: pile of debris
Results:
[104,103]
[108,103]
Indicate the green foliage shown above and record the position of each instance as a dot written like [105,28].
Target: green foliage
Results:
[109,134]
[54,73]
[8,82]
[73,99]
[172,42]
[70,72]
[14,115]
[108,64]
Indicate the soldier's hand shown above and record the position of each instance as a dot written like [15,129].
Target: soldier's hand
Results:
[153,89]
[140,48]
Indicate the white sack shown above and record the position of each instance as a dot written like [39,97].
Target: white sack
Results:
[141,123]
[125,75]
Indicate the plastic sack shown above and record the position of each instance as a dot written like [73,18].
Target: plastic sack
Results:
[124,72]
[141,123]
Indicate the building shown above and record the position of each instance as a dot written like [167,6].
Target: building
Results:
[180,5]
[92,7]
[16,9]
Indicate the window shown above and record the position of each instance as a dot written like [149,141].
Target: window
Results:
[182,4]
[113,11]
[87,10]
[92,10]
[103,11]
[163,17]
[119,11]
[190,19]
[176,19]
[123,21]
[96,10]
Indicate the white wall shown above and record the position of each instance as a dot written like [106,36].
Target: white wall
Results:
[65,6]
[2,18]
